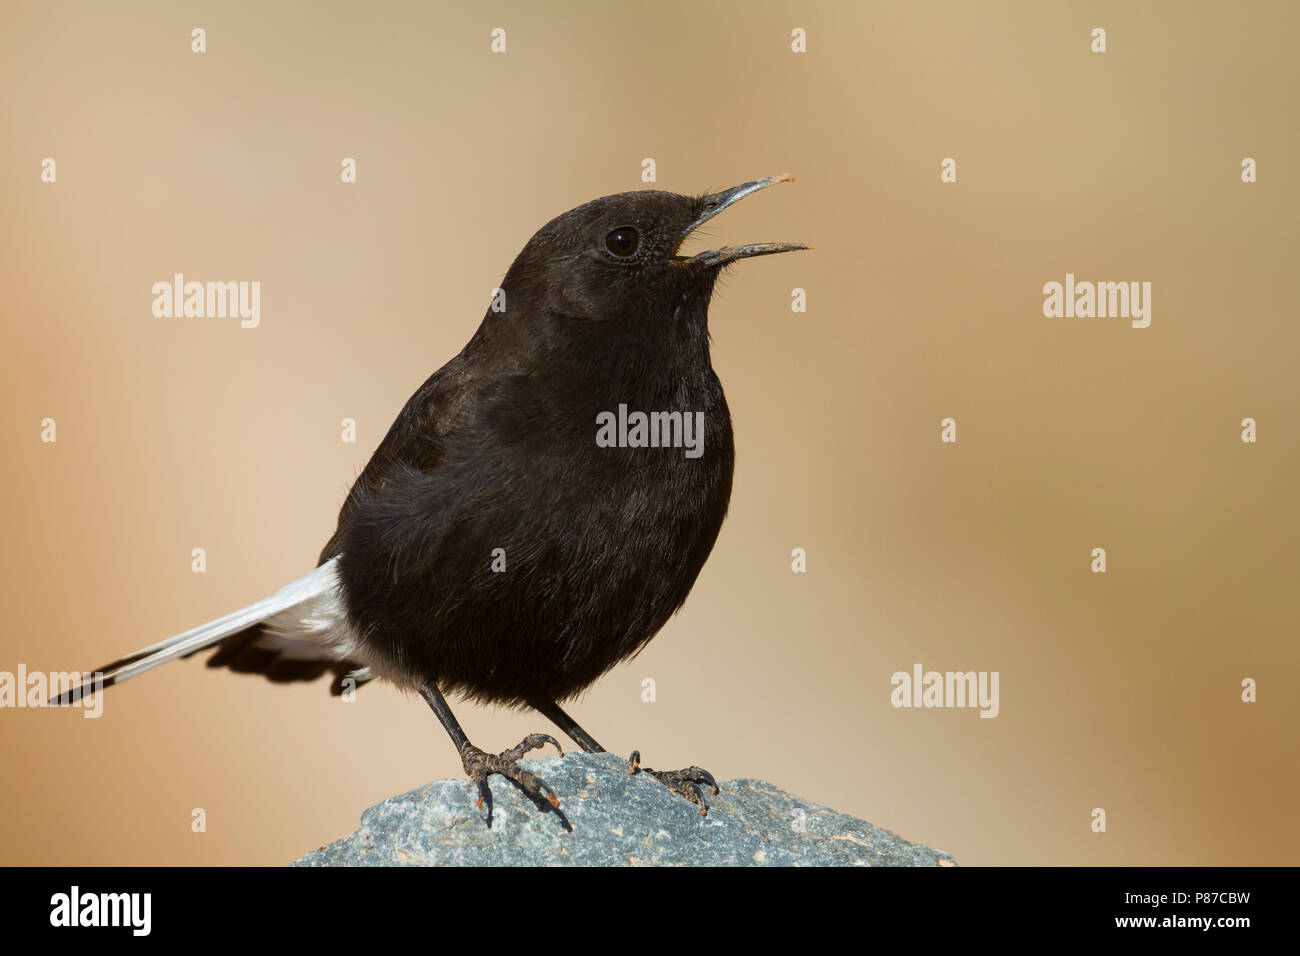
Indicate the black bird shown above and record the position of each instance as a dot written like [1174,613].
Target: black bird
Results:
[496,545]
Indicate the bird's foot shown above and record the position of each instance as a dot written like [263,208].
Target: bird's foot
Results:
[679,781]
[480,765]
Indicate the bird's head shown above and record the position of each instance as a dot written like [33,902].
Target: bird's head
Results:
[617,258]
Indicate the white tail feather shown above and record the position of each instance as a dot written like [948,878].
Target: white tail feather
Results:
[321,583]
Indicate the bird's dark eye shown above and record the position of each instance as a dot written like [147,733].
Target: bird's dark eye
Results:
[623,242]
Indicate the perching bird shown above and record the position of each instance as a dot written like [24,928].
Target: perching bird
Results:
[520,530]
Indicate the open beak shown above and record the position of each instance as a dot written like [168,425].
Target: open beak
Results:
[717,202]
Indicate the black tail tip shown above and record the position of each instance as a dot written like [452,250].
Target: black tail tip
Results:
[77,694]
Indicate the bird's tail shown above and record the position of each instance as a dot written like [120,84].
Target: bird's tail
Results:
[294,611]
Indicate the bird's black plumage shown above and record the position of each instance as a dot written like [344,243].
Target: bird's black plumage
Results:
[492,546]
[497,450]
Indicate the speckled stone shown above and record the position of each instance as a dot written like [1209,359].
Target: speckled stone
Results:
[617,819]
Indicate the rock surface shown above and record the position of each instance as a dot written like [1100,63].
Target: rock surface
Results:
[617,819]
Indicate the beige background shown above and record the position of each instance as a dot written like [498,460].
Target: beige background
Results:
[1118,691]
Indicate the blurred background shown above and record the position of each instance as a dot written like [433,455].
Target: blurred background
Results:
[1118,690]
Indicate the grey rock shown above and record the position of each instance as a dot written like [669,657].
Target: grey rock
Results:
[617,819]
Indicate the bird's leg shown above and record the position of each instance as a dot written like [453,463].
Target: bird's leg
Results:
[551,711]
[684,782]
[479,764]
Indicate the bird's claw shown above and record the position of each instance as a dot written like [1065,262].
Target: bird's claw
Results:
[479,765]
[679,781]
